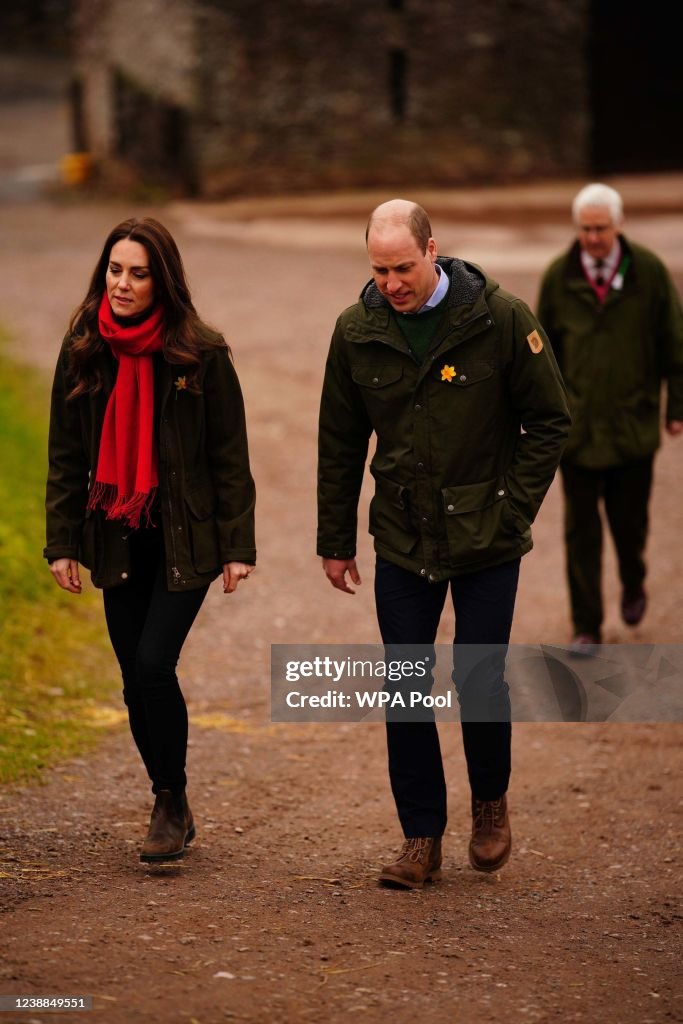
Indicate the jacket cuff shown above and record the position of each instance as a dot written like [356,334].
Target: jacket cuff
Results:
[341,553]
[246,555]
[52,554]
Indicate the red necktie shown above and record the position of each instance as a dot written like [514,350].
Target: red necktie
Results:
[599,278]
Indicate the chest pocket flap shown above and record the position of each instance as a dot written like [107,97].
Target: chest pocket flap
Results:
[376,376]
[464,375]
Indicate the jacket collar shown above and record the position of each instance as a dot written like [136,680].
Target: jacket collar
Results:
[467,284]
[467,312]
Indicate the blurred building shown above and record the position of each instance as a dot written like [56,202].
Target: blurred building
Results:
[35,26]
[224,96]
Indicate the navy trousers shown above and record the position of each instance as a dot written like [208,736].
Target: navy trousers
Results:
[408,610]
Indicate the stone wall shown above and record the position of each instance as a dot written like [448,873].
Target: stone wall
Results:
[234,95]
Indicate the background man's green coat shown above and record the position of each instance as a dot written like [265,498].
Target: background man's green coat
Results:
[614,357]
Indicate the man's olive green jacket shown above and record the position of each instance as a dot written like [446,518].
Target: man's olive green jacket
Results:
[614,357]
[206,492]
[467,441]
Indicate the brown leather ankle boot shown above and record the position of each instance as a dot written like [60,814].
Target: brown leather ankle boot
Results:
[171,827]
[491,840]
[418,862]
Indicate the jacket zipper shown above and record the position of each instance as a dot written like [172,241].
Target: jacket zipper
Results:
[175,571]
[174,568]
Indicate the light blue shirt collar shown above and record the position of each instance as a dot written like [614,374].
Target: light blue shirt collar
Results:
[439,292]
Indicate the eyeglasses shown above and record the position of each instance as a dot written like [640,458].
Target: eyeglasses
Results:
[595,229]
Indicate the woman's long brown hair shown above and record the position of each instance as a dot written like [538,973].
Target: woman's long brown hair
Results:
[185,334]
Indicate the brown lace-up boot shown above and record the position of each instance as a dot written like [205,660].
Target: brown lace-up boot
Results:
[171,827]
[418,862]
[491,840]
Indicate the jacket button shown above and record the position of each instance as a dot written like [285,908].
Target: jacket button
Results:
[488,323]
[423,572]
[501,493]
[432,577]
[417,408]
[420,465]
[425,519]
[463,377]
[451,508]
[124,575]
[375,380]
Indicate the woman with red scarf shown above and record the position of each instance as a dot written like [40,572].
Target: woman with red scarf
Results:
[149,487]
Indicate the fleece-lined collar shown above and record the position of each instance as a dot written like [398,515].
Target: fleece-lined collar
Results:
[466,285]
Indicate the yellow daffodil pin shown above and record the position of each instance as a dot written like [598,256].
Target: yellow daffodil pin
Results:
[181,384]
[447,373]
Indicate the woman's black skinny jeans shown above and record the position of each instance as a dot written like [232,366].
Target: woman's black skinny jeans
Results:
[148,626]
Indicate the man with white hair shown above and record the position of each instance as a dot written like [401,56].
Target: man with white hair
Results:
[445,368]
[614,319]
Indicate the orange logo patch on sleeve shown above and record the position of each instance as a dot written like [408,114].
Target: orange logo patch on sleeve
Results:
[535,342]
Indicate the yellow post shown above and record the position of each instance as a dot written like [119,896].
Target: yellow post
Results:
[76,168]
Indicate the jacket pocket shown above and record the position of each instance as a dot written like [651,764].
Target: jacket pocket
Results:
[479,517]
[390,515]
[382,391]
[464,375]
[376,377]
[202,530]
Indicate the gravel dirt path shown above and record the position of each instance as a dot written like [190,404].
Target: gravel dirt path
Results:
[274,915]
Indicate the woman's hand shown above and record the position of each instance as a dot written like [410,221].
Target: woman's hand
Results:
[233,572]
[65,572]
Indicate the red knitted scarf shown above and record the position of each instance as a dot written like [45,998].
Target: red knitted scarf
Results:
[127,467]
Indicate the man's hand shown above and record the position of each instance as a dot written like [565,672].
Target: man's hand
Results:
[674,427]
[233,572]
[336,569]
[65,572]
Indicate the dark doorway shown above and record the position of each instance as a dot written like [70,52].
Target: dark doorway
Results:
[637,87]
[153,135]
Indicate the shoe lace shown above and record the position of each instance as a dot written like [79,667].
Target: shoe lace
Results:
[415,849]
[488,813]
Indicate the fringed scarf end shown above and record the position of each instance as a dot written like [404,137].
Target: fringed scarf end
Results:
[132,510]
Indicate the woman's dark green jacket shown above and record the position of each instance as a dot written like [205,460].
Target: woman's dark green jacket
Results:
[206,491]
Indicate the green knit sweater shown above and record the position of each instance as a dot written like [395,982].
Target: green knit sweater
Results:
[419,329]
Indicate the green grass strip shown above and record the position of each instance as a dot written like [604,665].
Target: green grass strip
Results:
[59,683]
